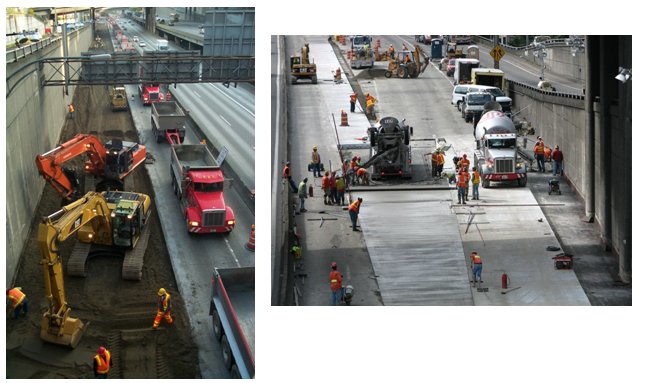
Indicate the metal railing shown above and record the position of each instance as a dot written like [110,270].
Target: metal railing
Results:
[551,43]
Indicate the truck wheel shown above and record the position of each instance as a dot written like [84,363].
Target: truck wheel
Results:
[458,105]
[235,372]
[373,139]
[217,326]
[486,183]
[406,137]
[227,354]
[388,74]
[401,72]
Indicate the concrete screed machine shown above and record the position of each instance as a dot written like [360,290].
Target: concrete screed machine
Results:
[113,221]
[390,151]
[301,67]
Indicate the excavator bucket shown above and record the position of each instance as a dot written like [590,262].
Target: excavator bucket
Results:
[69,334]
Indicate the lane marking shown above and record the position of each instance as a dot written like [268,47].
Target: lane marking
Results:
[233,254]
[230,98]
[225,120]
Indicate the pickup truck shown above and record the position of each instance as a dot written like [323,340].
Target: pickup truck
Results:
[232,309]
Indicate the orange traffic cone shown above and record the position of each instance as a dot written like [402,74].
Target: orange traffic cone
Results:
[344,118]
[251,245]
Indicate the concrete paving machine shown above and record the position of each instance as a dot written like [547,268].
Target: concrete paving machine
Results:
[301,67]
[407,63]
[116,221]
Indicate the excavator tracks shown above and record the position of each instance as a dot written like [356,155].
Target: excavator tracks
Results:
[133,262]
[76,265]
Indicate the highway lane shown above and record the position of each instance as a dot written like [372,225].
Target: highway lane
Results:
[193,256]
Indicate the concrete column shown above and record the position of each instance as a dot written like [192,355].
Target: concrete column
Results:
[590,91]
[607,94]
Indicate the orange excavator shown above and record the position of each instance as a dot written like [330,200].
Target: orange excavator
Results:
[109,164]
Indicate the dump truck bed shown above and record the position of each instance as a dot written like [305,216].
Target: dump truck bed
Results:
[194,157]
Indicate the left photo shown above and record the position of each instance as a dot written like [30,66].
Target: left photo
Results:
[130,192]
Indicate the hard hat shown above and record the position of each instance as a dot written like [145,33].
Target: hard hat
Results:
[360,199]
[464,155]
[161,291]
[314,147]
[540,138]
[287,163]
[333,264]
[556,147]
[101,350]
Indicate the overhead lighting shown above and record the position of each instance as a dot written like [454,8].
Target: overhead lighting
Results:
[624,75]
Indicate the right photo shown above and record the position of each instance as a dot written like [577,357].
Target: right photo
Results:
[451,170]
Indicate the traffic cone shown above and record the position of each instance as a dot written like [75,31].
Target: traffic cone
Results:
[344,118]
[251,245]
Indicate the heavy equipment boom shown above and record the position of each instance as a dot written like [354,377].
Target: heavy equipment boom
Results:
[111,163]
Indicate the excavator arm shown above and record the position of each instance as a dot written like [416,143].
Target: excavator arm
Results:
[88,216]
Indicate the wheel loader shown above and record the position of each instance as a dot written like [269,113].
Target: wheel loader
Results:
[301,67]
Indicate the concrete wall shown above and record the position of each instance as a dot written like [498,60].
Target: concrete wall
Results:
[35,117]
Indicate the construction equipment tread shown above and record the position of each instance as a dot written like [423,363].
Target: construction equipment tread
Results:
[76,265]
[133,262]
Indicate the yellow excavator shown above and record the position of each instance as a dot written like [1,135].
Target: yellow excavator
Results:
[406,64]
[112,219]
[301,67]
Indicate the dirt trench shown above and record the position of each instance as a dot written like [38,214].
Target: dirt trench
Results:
[120,313]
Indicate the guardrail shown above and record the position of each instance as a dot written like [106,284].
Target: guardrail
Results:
[547,43]
[512,85]
[22,52]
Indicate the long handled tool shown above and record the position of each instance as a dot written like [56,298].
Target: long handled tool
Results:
[515,288]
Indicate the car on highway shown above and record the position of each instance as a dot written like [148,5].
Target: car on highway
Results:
[135,39]
[142,44]
[460,92]
[450,68]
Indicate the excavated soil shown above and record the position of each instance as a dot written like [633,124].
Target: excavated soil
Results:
[119,313]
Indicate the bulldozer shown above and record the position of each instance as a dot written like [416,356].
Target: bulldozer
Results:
[301,67]
[116,221]
[407,63]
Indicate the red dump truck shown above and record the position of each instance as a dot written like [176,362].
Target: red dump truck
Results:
[233,300]
[198,182]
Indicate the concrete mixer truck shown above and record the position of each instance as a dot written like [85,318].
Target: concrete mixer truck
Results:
[496,154]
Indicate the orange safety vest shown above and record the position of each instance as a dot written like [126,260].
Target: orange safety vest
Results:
[476,177]
[440,159]
[539,148]
[434,158]
[70,107]
[464,163]
[164,303]
[354,206]
[16,297]
[316,157]
[287,172]
[463,179]
[476,259]
[102,366]
[391,49]
[361,171]
[325,184]
[353,97]
[335,280]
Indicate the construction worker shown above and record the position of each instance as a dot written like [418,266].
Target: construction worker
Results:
[440,163]
[362,176]
[464,162]
[325,185]
[354,212]
[337,75]
[17,302]
[70,109]
[347,173]
[557,161]
[287,174]
[163,308]
[102,363]
[333,196]
[316,162]
[340,190]
[539,154]
[476,267]
[406,59]
[404,47]
[370,104]
[353,101]
[336,284]
[434,159]
[475,181]
[391,51]
[462,185]
[302,193]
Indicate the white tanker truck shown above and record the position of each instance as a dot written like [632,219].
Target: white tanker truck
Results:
[496,154]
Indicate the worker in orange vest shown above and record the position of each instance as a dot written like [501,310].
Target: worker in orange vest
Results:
[406,59]
[287,174]
[70,109]
[362,176]
[475,181]
[391,51]
[353,101]
[440,163]
[539,154]
[476,267]
[340,190]
[17,301]
[102,363]
[333,195]
[434,163]
[325,185]
[464,162]
[354,213]
[163,308]
[336,284]
[462,186]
